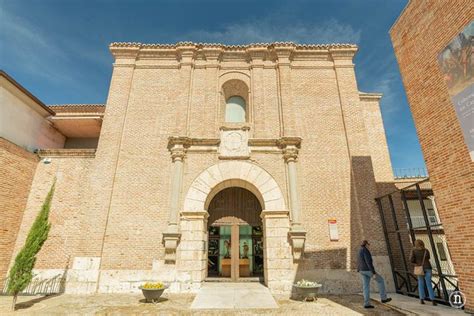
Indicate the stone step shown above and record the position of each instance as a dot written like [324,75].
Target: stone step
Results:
[247,279]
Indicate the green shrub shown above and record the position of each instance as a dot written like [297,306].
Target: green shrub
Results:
[21,273]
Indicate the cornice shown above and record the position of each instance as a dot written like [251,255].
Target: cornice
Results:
[339,53]
[187,142]
[364,96]
[284,52]
[211,144]
[201,46]
[66,153]
[288,141]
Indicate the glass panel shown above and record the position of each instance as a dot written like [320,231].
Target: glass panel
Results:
[257,250]
[235,110]
[441,252]
[213,252]
[246,251]
[225,251]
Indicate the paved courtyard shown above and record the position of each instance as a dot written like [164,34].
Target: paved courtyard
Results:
[179,304]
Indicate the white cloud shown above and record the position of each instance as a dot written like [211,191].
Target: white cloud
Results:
[49,56]
[273,28]
[27,45]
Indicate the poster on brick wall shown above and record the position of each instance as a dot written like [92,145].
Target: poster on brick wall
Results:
[456,62]
[333,231]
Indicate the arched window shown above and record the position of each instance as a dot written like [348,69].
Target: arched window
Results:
[235,110]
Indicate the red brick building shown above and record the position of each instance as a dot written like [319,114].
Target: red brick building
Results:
[419,36]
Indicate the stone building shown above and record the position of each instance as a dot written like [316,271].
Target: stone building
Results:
[420,37]
[216,161]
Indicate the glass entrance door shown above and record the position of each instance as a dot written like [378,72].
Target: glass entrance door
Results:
[246,251]
[225,251]
[240,261]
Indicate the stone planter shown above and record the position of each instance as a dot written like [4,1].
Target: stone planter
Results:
[152,295]
[306,293]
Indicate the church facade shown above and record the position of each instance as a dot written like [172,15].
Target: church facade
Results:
[215,162]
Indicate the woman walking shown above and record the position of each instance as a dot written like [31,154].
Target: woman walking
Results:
[420,257]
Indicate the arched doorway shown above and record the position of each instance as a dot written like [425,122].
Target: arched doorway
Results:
[235,235]
[193,244]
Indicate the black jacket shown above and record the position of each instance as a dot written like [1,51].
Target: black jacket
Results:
[364,260]
[417,258]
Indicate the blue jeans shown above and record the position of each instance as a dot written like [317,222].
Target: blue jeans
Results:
[366,276]
[421,285]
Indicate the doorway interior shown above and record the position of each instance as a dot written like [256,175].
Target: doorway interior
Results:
[235,236]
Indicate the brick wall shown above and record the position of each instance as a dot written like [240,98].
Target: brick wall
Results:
[17,167]
[125,189]
[66,236]
[419,35]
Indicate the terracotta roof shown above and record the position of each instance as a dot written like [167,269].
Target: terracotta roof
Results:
[234,47]
[77,108]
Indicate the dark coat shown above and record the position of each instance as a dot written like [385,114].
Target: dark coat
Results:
[417,257]
[364,260]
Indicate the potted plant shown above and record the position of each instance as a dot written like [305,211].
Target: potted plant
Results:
[307,289]
[153,290]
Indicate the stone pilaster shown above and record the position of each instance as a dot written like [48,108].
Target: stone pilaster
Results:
[297,233]
[177,147]
[283,53]
[279,272]
[257,57]
[192,259]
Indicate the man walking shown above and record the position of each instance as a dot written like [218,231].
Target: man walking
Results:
[366,269]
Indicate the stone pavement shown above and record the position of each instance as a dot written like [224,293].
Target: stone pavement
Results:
[233,296]
[412,306]
[180,304]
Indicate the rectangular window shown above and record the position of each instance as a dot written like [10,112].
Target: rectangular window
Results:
[441,252]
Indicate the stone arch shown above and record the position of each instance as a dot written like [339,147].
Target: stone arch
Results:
[234,75]
[234,173]
[235,84]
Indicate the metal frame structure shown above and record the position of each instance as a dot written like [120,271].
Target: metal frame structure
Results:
[405,280]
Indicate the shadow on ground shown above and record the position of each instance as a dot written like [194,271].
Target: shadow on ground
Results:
[355,303]
[32,302]
[160,300]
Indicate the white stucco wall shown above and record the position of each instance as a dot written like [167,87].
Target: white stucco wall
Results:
[23,122]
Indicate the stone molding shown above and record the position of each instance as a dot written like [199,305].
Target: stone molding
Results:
[186,53]
[194,215]
[274,214]
[187,142]
[235,173]
[66,153]
[297,238]
[170,241]
[270,145]
[370,96]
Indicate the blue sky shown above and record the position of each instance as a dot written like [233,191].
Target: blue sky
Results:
[58,49]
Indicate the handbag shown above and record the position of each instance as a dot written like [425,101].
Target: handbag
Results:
[419,271]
